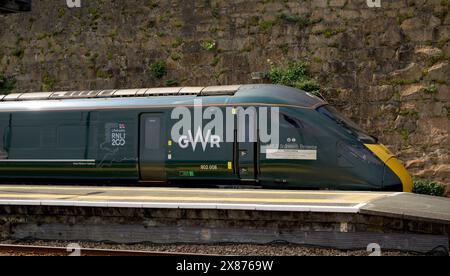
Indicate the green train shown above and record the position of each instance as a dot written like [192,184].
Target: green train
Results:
[266,136]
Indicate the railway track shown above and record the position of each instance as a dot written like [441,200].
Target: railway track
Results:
[28,250]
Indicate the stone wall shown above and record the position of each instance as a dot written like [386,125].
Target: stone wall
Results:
[387,68]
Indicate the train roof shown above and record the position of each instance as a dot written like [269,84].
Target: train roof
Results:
[229,94]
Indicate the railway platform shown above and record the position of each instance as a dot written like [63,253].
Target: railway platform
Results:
[343,220]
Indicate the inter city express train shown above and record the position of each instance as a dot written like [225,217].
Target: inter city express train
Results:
[265,136]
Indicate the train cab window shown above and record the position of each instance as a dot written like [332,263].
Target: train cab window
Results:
[290,122]
[347,124]
[296,132]
[292,131]
[152,133]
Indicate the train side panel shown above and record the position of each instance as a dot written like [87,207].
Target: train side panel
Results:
[75,145]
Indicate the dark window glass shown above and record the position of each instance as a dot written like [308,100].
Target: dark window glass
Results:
[152,133]
[3,141]
[347,124]
[71,136]
[26,137]
[290,122]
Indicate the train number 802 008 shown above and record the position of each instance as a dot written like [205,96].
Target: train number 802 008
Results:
[209,167]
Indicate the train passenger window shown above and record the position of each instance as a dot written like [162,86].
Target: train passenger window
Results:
[3,154]
[26,137]
[3,139]
[71,136]
[152,133]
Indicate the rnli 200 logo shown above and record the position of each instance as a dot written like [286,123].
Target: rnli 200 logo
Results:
[118,135]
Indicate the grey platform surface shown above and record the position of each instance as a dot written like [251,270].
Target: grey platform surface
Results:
[410,206]
[184,198]
[397,205]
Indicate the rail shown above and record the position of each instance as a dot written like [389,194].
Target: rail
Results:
[26,250]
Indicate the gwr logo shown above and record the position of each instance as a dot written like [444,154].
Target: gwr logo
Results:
[73,3]
[185,140]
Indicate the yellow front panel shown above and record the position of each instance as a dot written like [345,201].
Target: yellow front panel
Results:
[394,164]
[397,167]
[381,151]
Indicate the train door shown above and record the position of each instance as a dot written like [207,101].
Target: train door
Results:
[247,150]
[152,148]
[247,161]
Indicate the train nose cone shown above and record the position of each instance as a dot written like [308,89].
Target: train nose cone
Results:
[395,173]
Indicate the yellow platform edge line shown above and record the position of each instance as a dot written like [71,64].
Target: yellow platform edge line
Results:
[192,190]
[184,198]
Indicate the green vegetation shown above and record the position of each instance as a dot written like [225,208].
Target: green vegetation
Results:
[405,135]
[48,82]
[103,74]
[253,21]
[404,16]
[208,45]
[18,52]
[432,89]
[215,12]
[177,43]
[443,41]
[110,55]
[296,74]
[152,4]
[61,12]
[398,82]
[160,34]
[178,24]
[443,12]
[6,84]
[294,19]
[158,69]
[448,113]
[428,187]
[94,16]
[41,36]
[247,49]
[94,13]
[57,31]
[172,82]
[284,48]
[328,33]
[317,59]
[409,113]
[215,61]
[266,25]
[435,59]
[175,56]
[113,33]
[92,60]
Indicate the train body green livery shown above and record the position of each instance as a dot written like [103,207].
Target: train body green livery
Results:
[127,137]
